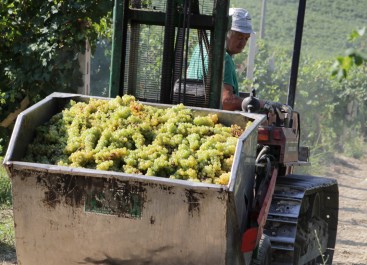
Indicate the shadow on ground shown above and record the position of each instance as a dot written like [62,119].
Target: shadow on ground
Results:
[7,254]
[344,163]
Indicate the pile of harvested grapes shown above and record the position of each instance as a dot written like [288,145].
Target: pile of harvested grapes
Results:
[124,135]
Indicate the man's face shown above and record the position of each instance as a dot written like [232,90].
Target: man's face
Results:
[236,42]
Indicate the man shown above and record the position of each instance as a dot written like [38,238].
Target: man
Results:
[237,37]
[236,40]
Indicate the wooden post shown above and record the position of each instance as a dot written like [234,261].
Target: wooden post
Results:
[84,68]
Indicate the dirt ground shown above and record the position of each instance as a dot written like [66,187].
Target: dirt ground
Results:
[351,246]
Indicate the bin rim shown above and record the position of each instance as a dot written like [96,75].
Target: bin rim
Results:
[95,173]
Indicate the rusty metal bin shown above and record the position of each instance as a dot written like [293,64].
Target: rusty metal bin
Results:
[67,215]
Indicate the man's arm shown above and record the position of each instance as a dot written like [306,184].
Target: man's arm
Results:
[230,101]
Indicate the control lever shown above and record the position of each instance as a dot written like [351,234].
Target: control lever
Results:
[251,103]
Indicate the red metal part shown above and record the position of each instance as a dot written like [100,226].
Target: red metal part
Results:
[252,236]
[285,139]
[263,215]
[249,239]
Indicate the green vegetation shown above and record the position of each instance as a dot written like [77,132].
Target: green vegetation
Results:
[326,27]
[5,188]
[353,56]
[39,46]
[7,239]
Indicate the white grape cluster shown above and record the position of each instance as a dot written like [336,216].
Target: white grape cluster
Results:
[125,135]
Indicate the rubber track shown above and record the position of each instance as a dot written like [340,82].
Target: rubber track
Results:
[286,213]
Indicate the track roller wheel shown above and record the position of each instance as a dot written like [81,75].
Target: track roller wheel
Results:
[262,254]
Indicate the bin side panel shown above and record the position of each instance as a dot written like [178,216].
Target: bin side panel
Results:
[65,219]
[244,168]
[28,121]
[240,195]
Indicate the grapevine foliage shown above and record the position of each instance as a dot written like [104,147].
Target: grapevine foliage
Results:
[122,134]
[39,45]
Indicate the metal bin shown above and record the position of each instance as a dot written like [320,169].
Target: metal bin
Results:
[67,215]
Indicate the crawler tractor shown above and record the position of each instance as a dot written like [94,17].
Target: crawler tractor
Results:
[265,215]
[293,218]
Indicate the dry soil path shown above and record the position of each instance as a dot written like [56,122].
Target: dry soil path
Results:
[351,245]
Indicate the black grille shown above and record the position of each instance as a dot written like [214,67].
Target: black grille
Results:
[144,56]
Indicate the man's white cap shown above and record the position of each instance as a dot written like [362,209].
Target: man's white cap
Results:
[241,20]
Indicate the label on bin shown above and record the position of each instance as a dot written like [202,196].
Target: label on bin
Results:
[121,199]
